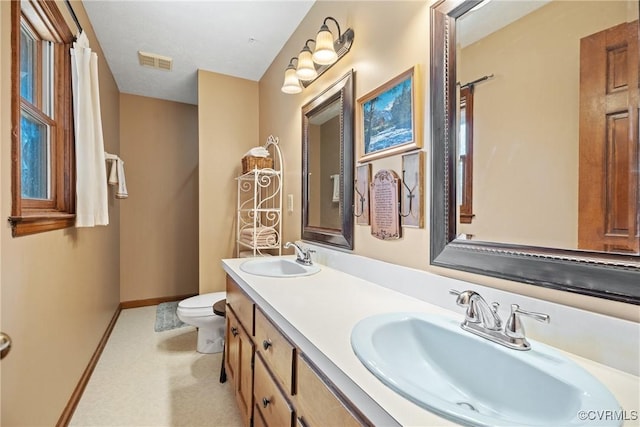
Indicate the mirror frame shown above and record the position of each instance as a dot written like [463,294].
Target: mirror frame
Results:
[341,91]
[610,276]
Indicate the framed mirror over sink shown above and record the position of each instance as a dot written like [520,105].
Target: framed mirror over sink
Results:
[327,165]
[535,158]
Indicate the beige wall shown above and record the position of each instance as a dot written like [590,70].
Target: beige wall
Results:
[159,232]
[228,128]
[526,124]
[60,288]
[390,37]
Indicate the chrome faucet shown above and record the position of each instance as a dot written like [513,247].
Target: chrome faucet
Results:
[484,321]
[478,311]
[303,256]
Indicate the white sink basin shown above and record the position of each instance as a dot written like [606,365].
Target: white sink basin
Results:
[431,361]
[277,267]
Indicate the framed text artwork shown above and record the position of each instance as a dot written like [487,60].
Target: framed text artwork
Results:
[385,217]
[387,117]
[361,196]
[412,193]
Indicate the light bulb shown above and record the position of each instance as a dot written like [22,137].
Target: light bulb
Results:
[324,53]
[291,83]
[306,69]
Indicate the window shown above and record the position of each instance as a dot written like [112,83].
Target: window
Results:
[43,190]
[465,156]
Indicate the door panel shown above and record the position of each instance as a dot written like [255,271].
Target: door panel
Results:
[608,173]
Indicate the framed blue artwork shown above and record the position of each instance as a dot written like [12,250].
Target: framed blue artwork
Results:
[387,118]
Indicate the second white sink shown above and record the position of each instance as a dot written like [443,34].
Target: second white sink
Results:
[431,361]
[277,267]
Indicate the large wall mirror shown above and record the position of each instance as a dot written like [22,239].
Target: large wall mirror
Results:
[327,166]
[535,165]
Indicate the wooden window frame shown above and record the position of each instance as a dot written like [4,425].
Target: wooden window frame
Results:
[466,206]
[29,216]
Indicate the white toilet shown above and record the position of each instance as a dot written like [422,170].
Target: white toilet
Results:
[198,311]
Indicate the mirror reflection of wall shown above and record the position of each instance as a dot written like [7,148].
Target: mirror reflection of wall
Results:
[324,168]
[327,165]
[526,122]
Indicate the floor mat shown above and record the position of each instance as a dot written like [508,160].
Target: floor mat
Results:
[166,317]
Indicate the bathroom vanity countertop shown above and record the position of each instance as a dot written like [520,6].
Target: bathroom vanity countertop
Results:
[319,311]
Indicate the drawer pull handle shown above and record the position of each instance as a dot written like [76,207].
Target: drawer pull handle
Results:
[234,331]
[266,344]
[265,402]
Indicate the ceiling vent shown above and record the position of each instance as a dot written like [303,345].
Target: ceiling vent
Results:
[155,61]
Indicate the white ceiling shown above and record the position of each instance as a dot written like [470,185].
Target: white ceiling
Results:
[238,38]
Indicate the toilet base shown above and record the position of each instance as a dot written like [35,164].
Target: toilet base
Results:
[210,340]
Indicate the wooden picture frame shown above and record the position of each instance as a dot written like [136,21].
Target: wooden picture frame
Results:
[388,117]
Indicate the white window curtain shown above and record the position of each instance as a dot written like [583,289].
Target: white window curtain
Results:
[91,175]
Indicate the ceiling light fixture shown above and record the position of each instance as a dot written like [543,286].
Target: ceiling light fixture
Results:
[291,83]
[306,68]
[311,65]
[325,53]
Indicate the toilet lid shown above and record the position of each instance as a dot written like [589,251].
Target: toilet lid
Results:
[202,301]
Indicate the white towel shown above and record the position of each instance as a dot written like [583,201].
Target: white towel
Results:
[257,152]
[336,188]
[259,236]
[116,175]
[122,192]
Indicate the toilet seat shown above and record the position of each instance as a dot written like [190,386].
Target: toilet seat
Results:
[200,305]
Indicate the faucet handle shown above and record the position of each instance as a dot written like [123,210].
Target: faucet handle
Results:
[307,254]
[514,327]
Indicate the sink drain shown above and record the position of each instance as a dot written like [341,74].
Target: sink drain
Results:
[467,405]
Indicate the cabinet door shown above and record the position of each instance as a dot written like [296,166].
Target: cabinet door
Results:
[239,361]
[231,346]
[316,404]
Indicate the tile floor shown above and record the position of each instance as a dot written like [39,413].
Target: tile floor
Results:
[147,378]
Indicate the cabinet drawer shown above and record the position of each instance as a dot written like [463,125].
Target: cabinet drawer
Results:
[276,350]
[271,404]
[241,305]
[316,405]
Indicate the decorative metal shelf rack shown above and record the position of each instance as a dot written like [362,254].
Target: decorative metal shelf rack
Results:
[259,221]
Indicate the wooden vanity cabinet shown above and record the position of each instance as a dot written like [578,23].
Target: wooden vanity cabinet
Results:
[239,348]
[275,385]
